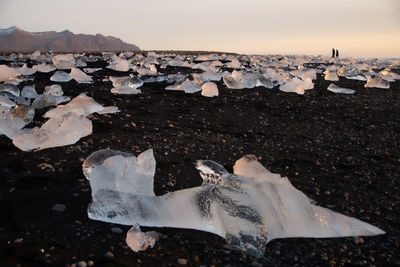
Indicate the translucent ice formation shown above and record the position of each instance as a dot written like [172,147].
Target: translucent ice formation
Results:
[91,70]
[7,73]
[297,85]
[187,86]
[10,125]
[59,131]
[79,76]
[331,75]
[9,89]
[209,89]
[377,82]
[60,76]
[54,90]
[389,75]
[43,101]
[64,61]
[29,91]
[248,208]
[139,241]
[119,64]
[44,68]
[336,89]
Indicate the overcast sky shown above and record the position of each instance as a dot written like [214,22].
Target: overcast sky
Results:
[358,28]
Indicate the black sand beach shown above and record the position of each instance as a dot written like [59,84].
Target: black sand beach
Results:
[343,151]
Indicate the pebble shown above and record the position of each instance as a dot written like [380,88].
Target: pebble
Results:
[182,261]
[358,240]
[109,254]
[116,230]
[82,264]
[18,240]
[58,207]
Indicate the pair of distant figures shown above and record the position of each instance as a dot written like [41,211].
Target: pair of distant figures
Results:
[335,52]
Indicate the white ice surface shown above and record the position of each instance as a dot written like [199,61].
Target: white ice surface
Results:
[43,67]
[187,86]
[248,208]
[79,76]
[377,82]
[60,76]
[64,61]
[336,89]
[209,89]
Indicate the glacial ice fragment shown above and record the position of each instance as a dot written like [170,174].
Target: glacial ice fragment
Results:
[119,64]
[140,241]
[64,61]
[187,86]
[248,208]
[79,76]
[331,75]
[80,105]
[389,75]
[29,91]
[336,89]
[10,125]
[59,131]
[43,101]
[91,70]
[297,85]
[209,89]
[377,82]
[7,73]
[125,90]
[11,89]
[6,103]
[54,90]
[60,76]
[44,68]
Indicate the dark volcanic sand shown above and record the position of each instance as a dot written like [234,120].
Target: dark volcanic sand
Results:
[342,151]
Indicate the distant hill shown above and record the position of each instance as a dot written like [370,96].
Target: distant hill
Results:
[15,39]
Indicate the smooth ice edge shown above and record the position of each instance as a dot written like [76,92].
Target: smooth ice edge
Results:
[340,90]
[248,211]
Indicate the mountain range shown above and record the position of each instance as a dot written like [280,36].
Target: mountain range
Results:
[15,39]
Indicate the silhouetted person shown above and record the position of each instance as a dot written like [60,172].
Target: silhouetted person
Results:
[337,53]
[333,52]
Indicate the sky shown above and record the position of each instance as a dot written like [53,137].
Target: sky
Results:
[357,28]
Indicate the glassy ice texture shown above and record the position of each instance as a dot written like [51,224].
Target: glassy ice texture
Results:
[79,76]
[336,89]
[377,82]
[119,64]
[209,89]
[29,91]
[7,73]
[331,75]
[44,68]
[10,90]
[140,241]
[60,76]
[187,86]
[248,208]
[44,101]
[54,90]
[297,85]
[64,61]
[59,131]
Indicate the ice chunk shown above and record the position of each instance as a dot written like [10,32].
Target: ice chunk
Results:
[24,70]
[125,90]
[5,102]
[264,82]
[80,105]
[91,70]
[10,125]
[139,241]
[119,64]
[43,101]
[389,76]
[377,82]
[44,68]
[297,85]
[211,76]
[29,91]
[331,75]
[357,77]
[130,81]
[7,73]
[64,61]
[248,208]
[9,89]
[234,63]
[54,90]
[79,76]
[336,89]
[59,131]
[209,89]
[187,86]
[60,76]
[26,114]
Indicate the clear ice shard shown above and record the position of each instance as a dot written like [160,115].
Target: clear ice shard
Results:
[10,125]
[331,75]
[6,103]
[54,90]
[140,241]
[79,76]
[377,82]
[125,90]
[209,89]
[29,91]
[187,86]
[9,89]
[59,131]
[44,68]
[80,105]
[64,61]
[248,208]
[44,101]
[60,76]
[336,89]
[297,85]
[119,64]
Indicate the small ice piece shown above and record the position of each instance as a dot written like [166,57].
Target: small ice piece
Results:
[43,101]
[7,73]
[336,89]
[231,83]
[211,76]
[29,91]
[357,77]
[54,90]
[24,70]
[187,86]
[10,125]
[60,76]
[5,102]
[152,70]
[377,82]
[130,81]
[297,85]
[303,74]
[248,208]
[44,68]
[209,89]
[79,76]
[125,90]
[56,132]
[234,63]
[119,64]
[264,82]
[23,101]
[11,89]
[24,113]
[80,105]
[35,55]
[64,61]
[91,70]
[140,241]
[389,76]
[331,75]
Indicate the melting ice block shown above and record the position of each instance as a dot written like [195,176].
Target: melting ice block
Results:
[44,68]
[54,90]
[79,76]
[331,75]
[43,101]
[336,89]
[59,131]
[377,82]
[29,91]
[248,208]
[187,86]
[297,85]
[209,89]
[64,61]
[60,76]
[119,64]
[7,73]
